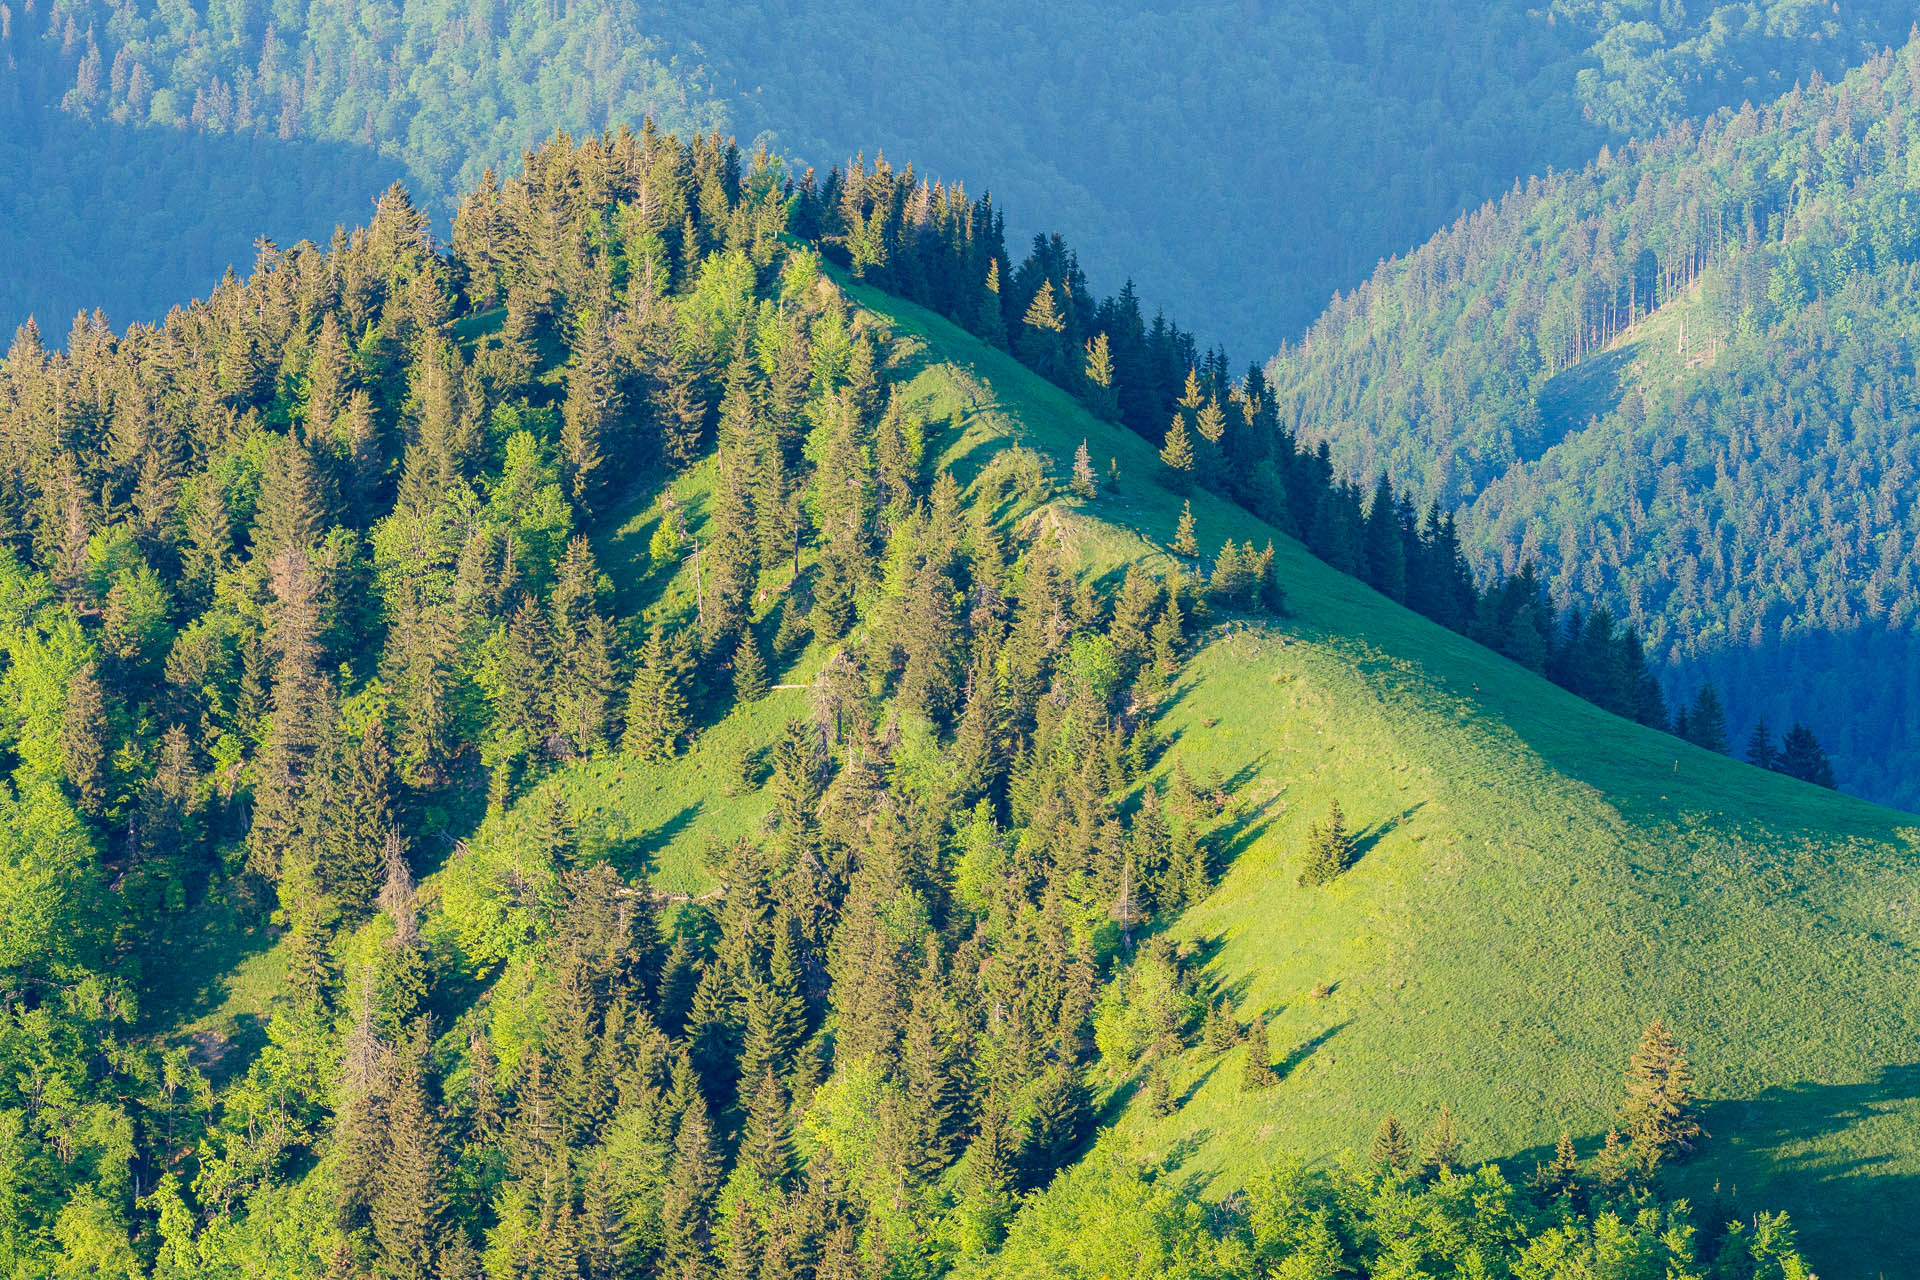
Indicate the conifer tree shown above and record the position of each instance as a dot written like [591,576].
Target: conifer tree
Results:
[1386,544]
[1038,345]
[1391,1151]
[989,1199]
[776,1008]
[1211,422]
[686,1208]
[766,1144]
[604,1229]
[410,1209]
[1176,455]
[833,599]
[1060,1116]
[1559,1175]
[592,402]
[1760,749]
[83,739]
[1219,1031]
[1159,1093]
[1659,1112]
[355,858]
[1329,847]
[656,702]
[1802,757]
[1190,864]
[1707,721]
[750,682]
[1184,542]
[1084,483]
[1441,1150]
[556,1244]
[1101,395]
[1258,1071]
[1614,1163]
[1168,639]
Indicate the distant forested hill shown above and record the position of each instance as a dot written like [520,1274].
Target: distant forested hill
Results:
[1309,139]
[1682,381]
[152,144]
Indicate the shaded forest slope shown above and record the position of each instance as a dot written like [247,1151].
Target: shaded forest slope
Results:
[1679,382]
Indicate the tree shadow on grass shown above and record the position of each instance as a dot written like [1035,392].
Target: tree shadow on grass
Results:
[188,970]
[636,856]
[1365,840]
[1297,1057]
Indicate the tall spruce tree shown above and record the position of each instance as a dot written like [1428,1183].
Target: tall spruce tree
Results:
[1176,455]
[1660,1111]
[1802,757]
[750,682]
[410,1208]
[1706,721]
[656,718]
[1258,1072]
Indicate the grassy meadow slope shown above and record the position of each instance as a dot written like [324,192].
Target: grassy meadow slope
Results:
[1539,880]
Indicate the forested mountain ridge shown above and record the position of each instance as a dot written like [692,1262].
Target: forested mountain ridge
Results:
[1111,139]
[1680,383]
[737,768]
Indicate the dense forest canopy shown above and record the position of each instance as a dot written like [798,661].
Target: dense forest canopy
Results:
[1311,137]
[301,623]
[1679,382]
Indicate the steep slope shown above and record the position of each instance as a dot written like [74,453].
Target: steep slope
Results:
[1310,137]
[1679,381]
[1538,880]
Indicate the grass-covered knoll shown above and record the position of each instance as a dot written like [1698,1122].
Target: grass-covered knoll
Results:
[1537,880]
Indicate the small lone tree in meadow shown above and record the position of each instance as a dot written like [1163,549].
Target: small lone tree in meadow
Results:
[1185,544]
[1258,1073]
[1391,1150]
[1084,483]
[1440,1153]
[1329,848]
[1660,1111]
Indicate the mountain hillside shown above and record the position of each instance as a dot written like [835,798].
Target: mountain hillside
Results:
[1310,138]
[1539,879]
[1680,383]
[613,746]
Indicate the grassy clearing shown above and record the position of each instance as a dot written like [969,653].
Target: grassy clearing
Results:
[1651,357]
